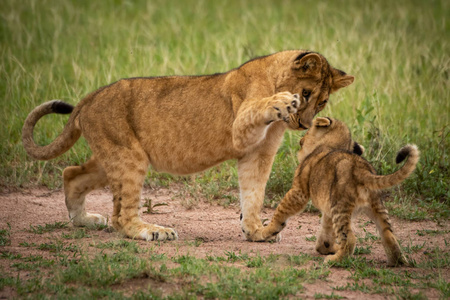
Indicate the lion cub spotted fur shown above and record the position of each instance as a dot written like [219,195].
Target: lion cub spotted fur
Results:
[340,183]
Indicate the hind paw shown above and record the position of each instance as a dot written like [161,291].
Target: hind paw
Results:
[89,220]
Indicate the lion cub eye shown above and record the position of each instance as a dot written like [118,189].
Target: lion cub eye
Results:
[306,93]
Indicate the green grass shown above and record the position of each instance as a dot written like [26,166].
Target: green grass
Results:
[5,236]
[398,52]
[108,269]
[39,229]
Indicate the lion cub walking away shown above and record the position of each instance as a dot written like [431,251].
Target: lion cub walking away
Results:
[340,183]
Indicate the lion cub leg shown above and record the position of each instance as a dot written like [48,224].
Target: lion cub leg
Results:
[293,202]
[326,242]
[249,131]
[255,115]
[126,171]
[252,183]
[379,215]
[78,182]
[346,239]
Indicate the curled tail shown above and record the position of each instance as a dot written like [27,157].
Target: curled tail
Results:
[62,143]
[378,182]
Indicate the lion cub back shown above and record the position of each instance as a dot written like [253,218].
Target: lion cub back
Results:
[339,181]
[334,179]
[334,171]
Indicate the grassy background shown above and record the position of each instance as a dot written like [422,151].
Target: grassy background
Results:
[397,50]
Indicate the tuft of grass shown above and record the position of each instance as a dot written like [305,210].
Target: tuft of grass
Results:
[150,207]
[5,236]
[76,234]
[431,232]
[324,296]
[58,246]
[130,246]
[362,250]
[27,245]
[39,229]
[301,259]
[311,239]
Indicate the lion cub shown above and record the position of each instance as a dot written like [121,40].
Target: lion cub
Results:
[340,183]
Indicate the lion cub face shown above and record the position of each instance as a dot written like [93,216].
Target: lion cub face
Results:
[329,133]
[314,79]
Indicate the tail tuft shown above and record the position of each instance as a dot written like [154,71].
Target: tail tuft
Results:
[61,107]
[358,149]
[405,152]
[379,182]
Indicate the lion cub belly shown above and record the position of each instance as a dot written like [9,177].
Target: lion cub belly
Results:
[187,154]
[184,163]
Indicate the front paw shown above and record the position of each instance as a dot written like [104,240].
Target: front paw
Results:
[281,105]
[262,234]
[151,232]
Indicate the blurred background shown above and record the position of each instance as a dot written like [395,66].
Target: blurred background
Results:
[398,52]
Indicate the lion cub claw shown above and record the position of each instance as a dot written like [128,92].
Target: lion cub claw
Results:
[157,233]
[262,235]
[281,106]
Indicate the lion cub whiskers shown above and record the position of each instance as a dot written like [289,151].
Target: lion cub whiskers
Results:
[340,183]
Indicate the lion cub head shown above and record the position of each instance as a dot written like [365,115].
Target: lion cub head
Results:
[328,133]
[311,76]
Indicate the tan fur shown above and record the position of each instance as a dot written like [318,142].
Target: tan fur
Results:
[183,125]
[340,183]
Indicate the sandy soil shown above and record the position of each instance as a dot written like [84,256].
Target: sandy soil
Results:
[216,227]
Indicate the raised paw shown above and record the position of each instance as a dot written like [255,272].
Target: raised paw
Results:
[281,105]
[88,220]
[156,233]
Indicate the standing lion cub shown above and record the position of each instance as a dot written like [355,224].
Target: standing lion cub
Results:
[183,125]
[340,182]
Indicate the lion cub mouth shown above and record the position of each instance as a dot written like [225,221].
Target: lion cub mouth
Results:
[301,125]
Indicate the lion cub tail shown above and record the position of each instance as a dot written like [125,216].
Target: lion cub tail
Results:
[62,143]
[378,182]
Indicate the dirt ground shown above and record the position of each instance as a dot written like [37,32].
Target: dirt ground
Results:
[216,227]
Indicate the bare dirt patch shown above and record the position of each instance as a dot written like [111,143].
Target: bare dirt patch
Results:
[204,230]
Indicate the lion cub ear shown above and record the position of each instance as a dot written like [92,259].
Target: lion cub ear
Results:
[322,122]
[340,80]
[309,63]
